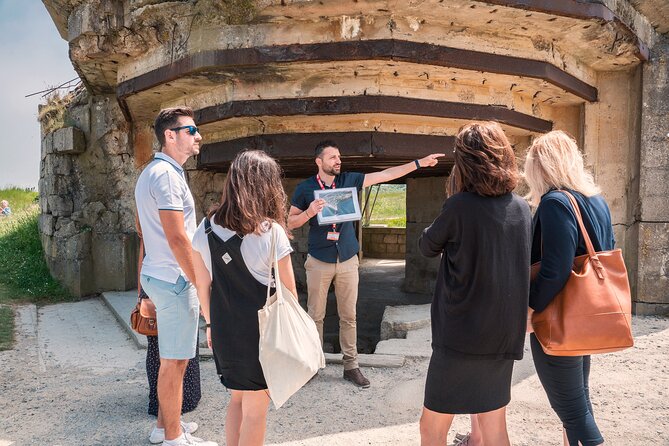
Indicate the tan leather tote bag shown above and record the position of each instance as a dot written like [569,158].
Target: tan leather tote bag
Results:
[290,348]
[593,312]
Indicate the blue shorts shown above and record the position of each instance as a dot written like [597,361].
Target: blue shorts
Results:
[177,314]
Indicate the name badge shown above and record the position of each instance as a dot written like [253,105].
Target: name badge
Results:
[334,236]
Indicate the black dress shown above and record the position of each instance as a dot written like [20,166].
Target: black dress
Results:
[479,310]
[191,386]
[236,297]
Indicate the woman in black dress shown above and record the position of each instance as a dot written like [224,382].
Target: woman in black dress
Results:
[232,251]
[479,310]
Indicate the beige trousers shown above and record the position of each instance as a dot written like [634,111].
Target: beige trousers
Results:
[345,275]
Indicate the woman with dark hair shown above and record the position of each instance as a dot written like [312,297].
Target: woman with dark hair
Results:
[232,249]
[479,309]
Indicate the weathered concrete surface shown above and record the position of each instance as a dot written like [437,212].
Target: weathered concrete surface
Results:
[87,198]
[425,197]
[398,321]
[652,290]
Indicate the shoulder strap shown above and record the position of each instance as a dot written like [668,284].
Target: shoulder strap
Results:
[274,264]
[586,237]
[139,269]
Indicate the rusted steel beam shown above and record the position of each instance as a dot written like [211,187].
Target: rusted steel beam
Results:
[338,105]
[383,49]
[368,151]
[575,9]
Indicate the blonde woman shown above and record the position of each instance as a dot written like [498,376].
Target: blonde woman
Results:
[554,162]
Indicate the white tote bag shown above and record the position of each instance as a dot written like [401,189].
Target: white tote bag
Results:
[290,348]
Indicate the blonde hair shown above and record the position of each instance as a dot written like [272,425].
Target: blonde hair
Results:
[554,162]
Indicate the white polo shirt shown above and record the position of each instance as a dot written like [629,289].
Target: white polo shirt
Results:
[162,186]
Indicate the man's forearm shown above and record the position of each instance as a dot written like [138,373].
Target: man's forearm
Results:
[389,174]
[183,252]
[298,220]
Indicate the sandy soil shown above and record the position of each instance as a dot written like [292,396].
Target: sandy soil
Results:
[68,384]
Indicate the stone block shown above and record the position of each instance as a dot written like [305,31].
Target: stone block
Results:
[653,263]
[653,192]
[46,224]
[66,228]
[114,257]
[392,248]
[69,140]
[399,320]
[44,204]
[77,247]
[93,211]
[55,185]
[57,165]
[47,145]
[389,238]
[646,309]
[75,275]
[60,206]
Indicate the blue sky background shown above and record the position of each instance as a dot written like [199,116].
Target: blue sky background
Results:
[33,57]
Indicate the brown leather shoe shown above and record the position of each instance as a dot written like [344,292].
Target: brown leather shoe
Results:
[356,377]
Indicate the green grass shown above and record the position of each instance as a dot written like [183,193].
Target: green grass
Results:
[6,328]
[24,276]
[390,207]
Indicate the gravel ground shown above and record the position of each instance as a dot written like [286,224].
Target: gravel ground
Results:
[82,382]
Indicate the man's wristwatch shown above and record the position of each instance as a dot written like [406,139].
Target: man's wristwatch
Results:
[417,164]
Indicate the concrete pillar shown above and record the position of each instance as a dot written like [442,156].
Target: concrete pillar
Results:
[652,290]
[612,126]
[425,197]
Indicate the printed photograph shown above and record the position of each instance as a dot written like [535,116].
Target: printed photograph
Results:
[340,205]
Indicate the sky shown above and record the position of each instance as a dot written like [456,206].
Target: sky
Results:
[33,57]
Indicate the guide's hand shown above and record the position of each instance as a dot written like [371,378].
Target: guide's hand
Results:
[316,206]
[209,337]
[430,160]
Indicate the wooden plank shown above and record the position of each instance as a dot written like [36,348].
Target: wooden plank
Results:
[334,105]
[382,49]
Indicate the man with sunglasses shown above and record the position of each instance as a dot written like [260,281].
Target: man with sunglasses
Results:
[166,212]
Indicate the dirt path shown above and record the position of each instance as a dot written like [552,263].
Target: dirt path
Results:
[65,384]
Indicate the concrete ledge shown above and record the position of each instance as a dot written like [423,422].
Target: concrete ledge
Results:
[374,360]
[398,321]
[121,304]
[418,344]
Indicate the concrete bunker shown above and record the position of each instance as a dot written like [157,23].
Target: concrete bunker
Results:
[389,81]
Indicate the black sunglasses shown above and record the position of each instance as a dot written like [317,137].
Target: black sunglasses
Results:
[192,130]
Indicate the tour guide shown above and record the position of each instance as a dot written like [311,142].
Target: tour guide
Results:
[333,248]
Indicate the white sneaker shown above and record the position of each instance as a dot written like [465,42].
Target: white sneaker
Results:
[188,440]
[158,433]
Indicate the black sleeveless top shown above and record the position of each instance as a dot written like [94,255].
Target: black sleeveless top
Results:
[236,297]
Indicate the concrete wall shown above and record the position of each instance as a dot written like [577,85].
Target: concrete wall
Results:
[87,201]
[652,212]
[384,243]
[425,197]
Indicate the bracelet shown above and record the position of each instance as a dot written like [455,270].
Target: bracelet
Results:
[417,164]
[207,325]
[307,212]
